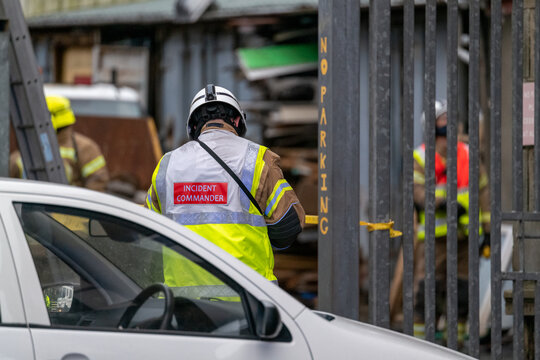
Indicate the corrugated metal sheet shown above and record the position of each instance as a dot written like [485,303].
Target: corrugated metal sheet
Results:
[155,11]
[40,7]
[163,11]
[236,8]
[399,3]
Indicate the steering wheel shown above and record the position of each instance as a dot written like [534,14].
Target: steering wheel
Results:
[139,300]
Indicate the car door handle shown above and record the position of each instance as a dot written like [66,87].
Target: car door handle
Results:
[75,356]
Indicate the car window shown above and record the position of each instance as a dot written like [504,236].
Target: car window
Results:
[99,271]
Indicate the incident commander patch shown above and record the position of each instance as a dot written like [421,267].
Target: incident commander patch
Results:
[200,193]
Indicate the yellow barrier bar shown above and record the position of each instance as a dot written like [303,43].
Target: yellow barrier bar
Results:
[382,226]
[314,219]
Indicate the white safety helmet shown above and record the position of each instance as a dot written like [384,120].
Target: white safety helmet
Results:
[441,107]
[210,95]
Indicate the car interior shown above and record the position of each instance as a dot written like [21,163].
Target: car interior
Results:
[102,272]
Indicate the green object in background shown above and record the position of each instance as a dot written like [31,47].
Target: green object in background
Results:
[278,56]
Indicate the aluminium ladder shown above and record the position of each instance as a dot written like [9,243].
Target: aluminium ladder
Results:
[29,114]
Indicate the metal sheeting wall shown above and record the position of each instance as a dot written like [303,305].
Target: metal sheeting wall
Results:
[192,57]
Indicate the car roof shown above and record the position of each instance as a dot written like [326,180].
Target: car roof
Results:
[92,92]
[38,188]
[13,185]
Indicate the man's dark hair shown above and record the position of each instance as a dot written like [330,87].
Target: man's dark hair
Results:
[212,111]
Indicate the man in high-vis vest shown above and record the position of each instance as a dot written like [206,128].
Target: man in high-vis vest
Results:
[191,187]
[441,224]
[83,161]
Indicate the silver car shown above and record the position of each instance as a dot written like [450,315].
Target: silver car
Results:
[82,278]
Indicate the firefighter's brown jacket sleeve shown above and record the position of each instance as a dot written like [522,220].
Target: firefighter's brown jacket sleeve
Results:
[271,177]
[15,165]
[91,164]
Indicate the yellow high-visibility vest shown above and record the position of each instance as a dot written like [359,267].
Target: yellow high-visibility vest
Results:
[195,191]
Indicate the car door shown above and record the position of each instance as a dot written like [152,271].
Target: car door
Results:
[91,268]
[15,339]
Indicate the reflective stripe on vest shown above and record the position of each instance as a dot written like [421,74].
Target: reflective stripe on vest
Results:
[158,180]
[237,227]
[68,153]
[92,166]
[22,172]
[441,228]
[280,188]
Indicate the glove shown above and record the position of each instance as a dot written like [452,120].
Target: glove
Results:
[485,248]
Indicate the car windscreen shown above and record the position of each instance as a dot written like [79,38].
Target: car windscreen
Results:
[109,108]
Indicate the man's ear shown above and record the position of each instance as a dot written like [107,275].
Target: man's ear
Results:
[236,121]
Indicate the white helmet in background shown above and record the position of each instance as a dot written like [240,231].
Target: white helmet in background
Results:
[219,103]
[441,107]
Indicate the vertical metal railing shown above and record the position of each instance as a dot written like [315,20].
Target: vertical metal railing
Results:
[339,184]
[537,169]
[4,98]
[474,174]
[517,105]
[495,175]
[429,134]
[517,168]
[381,141]
[379,47]
[451,166]
[407,145]
[537,117]
[537,310]
[474,164]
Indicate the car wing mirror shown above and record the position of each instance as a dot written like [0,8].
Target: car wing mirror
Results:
[96,229]
[58,298]
[267,320]
[115,230]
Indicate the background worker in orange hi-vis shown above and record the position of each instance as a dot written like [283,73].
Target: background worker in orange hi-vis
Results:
[441,223]
[225,188]
[83,161]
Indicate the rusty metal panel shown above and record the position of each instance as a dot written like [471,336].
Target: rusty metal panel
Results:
[128,145]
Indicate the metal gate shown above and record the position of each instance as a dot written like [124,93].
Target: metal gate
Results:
[380,67]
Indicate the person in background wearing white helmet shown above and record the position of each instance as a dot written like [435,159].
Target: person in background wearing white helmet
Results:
[441,224]
[83,161]
[192,187]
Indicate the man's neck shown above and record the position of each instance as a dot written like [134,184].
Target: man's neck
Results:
[218,124]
